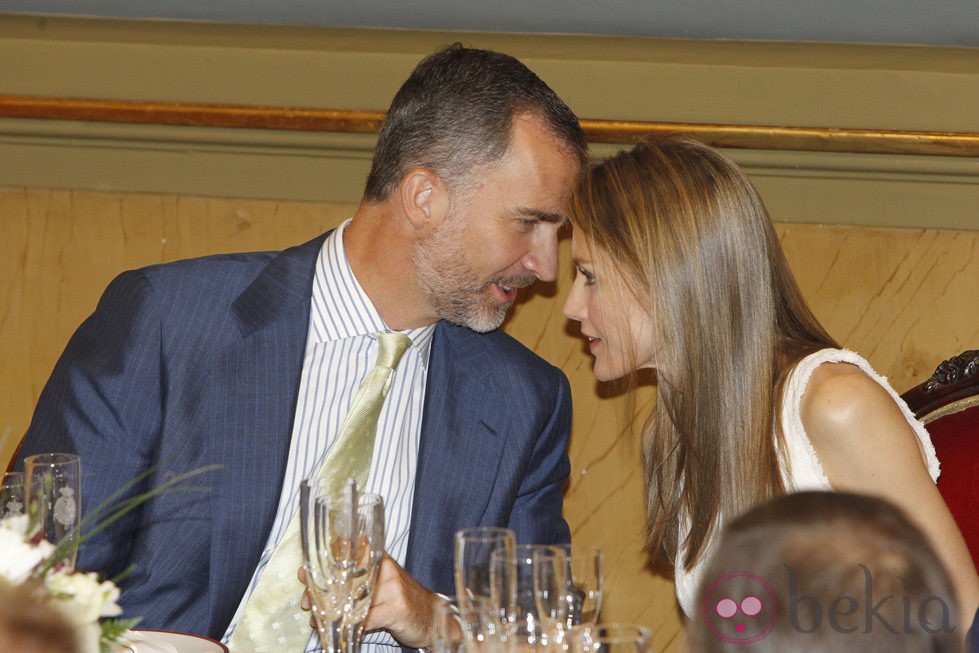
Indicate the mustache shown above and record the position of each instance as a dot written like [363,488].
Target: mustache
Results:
[513,282]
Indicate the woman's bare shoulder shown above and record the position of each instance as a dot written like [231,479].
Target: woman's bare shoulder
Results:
[841,400]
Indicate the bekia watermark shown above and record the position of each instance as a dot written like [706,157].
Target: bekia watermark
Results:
[743,608]
[740,608]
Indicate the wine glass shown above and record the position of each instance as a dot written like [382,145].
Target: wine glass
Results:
[473,549]
[52,483]
[610,638]
[343,544]
[586,577]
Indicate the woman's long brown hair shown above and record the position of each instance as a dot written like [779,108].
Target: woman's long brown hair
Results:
[687,232]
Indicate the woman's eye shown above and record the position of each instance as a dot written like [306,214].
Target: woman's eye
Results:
[587,276]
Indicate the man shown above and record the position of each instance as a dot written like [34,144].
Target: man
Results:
[251,361]
[826,572]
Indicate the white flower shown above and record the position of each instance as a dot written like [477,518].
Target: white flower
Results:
[81,597]
[19,557]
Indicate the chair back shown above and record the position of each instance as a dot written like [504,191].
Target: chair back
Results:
[948,404]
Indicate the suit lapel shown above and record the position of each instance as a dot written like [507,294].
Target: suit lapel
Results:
[258,374]
[459,453]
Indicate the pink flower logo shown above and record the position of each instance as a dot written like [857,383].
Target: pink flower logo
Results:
[740,608]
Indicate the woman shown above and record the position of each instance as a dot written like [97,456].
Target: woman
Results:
[679,270]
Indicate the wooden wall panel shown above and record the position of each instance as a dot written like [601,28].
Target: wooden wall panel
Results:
[902,297]
[61,248]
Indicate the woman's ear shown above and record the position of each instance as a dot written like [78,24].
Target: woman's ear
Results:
[424,199]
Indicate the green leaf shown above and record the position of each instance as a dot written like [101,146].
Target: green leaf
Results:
[113,629]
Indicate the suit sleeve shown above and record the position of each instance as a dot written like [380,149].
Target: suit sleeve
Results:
[104,402]
[537,512]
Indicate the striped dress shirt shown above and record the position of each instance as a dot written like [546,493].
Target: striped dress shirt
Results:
[340,351]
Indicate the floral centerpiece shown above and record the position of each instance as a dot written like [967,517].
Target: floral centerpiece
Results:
[84,601]
[89,605]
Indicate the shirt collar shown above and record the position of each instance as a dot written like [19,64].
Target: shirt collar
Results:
[341,309]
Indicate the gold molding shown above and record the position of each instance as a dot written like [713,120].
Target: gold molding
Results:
[759,137]
[190,114]
[802,139]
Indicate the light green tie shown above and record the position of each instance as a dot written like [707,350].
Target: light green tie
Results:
[272,621]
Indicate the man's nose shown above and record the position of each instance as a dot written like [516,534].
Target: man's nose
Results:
[542,258]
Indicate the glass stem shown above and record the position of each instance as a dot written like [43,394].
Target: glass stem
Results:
[339,637]
[352,634]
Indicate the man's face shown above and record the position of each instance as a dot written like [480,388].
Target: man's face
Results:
[501,231]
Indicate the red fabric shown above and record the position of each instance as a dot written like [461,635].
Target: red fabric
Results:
[956,440]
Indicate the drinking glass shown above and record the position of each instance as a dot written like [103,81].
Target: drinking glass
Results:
[586,578]
[52,483]
[610,638]
[529,591]
[548,568]
[343,544]
[472,627]
[473,549]
[12,499]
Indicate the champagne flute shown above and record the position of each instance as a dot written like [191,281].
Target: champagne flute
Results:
[610,638]
[343,544]
[52,483]
[473,549]
[529,590]
[549,567]
[586,578]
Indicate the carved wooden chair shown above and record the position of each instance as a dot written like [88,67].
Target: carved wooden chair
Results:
[948,403]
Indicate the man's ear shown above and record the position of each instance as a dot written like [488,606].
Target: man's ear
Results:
[424,199]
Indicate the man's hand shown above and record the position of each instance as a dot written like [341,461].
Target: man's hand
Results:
[307,601]
[401,606]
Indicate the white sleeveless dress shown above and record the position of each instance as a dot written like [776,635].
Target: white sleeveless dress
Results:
[807,472]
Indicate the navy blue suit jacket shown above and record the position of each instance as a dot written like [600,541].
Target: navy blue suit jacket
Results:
[198,362]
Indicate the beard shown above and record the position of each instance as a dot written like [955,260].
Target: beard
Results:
[450,284]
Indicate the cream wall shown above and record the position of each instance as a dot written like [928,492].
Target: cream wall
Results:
[884,246]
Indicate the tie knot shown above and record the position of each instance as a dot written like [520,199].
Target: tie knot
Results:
[392,348]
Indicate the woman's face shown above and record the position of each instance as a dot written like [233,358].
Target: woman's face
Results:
[618,329]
